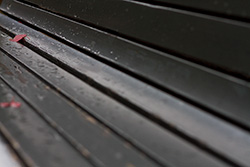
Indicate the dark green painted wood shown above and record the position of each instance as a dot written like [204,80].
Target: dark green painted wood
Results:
[202,138]
[225,8]
[167,108]
[83,131]
[201,85]
[162,145]
[212,41]
[36,142]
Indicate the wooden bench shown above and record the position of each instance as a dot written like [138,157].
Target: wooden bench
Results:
[126,83]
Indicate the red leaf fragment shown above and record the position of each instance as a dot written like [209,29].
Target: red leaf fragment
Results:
[17,38]
[12,104]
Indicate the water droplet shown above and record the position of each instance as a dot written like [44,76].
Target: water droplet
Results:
[3,35]
[8,7]
[40,97]
[40,64]
[59,77]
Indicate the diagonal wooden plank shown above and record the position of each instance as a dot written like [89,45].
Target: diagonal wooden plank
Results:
[36,142]
[225,8]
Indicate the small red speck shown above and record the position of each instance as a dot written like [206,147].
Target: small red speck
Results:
[15,104]
[4,104]
[17,38]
